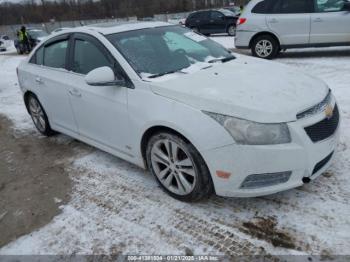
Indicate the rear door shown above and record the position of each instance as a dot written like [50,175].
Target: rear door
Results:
[49,79]
[329,23]
[290,21]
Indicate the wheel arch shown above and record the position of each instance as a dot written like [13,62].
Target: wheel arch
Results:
[264,33]
[154,130]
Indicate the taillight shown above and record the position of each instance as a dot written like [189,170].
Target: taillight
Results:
[241,21]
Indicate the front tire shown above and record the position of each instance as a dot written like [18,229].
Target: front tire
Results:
[39,116]
[178,167]
[265,46]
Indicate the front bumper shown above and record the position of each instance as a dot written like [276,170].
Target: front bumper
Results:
[304,158]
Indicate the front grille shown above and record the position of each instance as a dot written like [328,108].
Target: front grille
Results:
[322,163]
[325,128]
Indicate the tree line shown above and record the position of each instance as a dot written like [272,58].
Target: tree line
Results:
[32,11]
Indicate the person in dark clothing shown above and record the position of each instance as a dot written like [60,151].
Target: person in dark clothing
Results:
[24,39]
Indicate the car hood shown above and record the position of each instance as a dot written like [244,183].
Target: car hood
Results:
[248,88]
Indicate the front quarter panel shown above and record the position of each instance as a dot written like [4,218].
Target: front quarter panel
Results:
[147,110]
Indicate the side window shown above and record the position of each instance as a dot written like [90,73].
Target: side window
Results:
[216,15]
[55,54]
[260,8]
[292,7]
[88,57]
[39,56]
[329,6]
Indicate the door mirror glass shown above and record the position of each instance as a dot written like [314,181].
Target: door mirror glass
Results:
[103,76]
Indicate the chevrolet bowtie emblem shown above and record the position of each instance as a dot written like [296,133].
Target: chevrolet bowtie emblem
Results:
[329,111]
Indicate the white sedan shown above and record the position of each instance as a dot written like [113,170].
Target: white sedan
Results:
[200,118]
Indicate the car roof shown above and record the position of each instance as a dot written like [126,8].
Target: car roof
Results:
[118,27]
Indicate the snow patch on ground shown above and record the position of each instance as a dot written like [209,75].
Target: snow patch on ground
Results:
[11,101]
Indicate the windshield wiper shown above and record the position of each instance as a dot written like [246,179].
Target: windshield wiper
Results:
[167,73]
[223,60]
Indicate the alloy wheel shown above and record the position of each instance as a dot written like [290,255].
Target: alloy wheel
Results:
[264,48]
[173,167]
[232,30]
[37,114]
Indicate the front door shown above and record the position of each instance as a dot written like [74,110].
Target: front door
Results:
[329,23]
[101,111]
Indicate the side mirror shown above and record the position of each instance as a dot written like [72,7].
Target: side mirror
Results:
[346,6]
[103,76]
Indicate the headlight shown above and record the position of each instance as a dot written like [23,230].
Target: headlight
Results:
[252,133]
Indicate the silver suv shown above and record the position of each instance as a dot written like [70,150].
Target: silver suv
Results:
[269,26]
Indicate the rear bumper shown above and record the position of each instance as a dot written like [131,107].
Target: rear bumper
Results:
[303,158]
[243,38]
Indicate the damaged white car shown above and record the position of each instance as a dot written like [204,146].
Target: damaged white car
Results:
[200,118]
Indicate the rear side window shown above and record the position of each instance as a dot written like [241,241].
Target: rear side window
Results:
[199,15]
[216,15]
[55,54]
[260,8]
[292,7]
[88,57]
[38,57]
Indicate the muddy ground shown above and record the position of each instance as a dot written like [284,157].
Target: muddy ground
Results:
[33,181]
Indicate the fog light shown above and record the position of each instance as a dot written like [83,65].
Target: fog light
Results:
[264,180]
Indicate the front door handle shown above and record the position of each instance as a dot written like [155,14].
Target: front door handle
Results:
[75,92]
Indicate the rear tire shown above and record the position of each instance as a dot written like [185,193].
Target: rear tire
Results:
[38,115]
[178,167]
[196,30]
[265,46]
[231,30]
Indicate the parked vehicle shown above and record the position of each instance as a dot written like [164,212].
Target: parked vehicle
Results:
[59,30]
[35,37]
[5,42]
[269,26]
[2,46]
[212,22]
[234,9]
[198,117]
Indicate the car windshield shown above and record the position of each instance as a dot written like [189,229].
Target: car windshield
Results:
[154,52]
[37,33]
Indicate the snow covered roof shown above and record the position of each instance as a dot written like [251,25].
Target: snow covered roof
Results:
[117,27]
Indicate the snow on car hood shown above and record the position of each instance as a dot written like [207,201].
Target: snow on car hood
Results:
[248,88]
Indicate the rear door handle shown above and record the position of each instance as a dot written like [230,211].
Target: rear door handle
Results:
[38,80]
[75,92]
